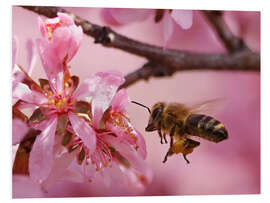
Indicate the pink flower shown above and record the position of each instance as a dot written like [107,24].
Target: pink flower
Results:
[103,137]
[53,111]
[171,19]
[61,36]
[60,42]
[52,99]
[89,120]
[119,147]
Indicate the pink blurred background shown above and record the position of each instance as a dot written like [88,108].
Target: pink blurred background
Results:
[230,167]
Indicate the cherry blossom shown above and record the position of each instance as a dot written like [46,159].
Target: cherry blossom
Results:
[87,121]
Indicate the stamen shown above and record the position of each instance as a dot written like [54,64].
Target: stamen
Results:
[59,104]
[51,101]
[66,85]
[49,31]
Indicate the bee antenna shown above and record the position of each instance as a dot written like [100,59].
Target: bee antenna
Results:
[142,106]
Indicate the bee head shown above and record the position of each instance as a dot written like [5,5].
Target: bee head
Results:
[155,117]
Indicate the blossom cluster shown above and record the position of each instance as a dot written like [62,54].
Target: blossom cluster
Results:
[83,122]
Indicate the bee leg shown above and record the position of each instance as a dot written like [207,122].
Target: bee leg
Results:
[171,136]
[170,152]
[160,135]
[185,157]
[164,137]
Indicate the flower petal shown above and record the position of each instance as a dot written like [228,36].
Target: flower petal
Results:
[168,29]
[19,130]
[14,50]
[42,27]
[17,77]
[128,152]
[129,15]
[75,41]
[41,156]
[107,16]
[87,88]
[65,18]
[183,18]
[24,187]
[23,92]
[136,181]
[141,144]
[61,41]
[60,164]
[31,56]
[53,67]
[102,87]
[133,137]
[120,101]
[104,93]
[139,174]
[84,131]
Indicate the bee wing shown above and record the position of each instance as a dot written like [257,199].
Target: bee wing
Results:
[209,107]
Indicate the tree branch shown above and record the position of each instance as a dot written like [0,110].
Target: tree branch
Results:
[240,57]
[150,69]
[231,42]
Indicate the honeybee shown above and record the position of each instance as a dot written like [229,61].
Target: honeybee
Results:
[180,121]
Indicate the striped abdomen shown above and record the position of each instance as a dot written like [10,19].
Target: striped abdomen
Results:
[206,127]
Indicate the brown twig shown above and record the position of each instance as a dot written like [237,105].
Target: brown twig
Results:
[168,60]
[150,69]
[231,42]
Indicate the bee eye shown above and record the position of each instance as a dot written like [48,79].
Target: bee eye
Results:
[156,113]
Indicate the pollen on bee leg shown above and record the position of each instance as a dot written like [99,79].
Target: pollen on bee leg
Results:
[178,146]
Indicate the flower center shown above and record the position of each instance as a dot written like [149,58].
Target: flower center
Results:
[61,103]
[51,27]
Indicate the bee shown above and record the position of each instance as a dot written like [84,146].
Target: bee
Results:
[180,122]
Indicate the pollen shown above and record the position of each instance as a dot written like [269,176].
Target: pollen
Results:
[66,22]
[60,103]
[66,85]
[49,32]
[49,93]
[178,146]
[51,101]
